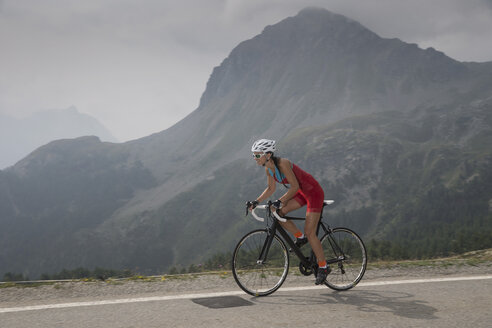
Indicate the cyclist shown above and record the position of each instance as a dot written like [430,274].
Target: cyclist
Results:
[304,189]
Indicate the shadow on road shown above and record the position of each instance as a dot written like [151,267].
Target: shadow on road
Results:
[399,303]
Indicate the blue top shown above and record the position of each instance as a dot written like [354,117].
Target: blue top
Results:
[279,177]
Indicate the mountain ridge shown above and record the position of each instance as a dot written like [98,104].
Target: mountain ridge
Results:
[351,108]
[19,137]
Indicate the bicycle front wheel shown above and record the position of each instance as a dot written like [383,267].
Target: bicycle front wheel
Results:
[256,276]
[346,249]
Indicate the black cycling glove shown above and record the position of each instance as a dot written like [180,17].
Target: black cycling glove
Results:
[277,204]
[252,204]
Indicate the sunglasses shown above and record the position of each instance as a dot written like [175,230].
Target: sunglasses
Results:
[257,155]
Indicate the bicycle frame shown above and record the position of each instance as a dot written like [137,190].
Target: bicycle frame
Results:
[307,262]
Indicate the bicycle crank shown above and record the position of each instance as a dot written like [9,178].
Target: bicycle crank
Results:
[305,271]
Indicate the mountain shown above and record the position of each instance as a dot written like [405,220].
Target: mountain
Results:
[19,137]
[399,136]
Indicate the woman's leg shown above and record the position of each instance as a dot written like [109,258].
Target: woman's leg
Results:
[291,205]
[310,227]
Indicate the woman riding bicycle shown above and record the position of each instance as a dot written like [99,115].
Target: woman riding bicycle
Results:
[304,189]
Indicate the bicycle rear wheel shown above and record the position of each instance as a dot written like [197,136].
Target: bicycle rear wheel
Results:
[347,248]
[255,277]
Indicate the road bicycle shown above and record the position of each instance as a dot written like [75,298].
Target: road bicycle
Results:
[260,261]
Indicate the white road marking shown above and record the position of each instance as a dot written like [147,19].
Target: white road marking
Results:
[229,293]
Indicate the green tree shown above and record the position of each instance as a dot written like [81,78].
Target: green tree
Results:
[9,276]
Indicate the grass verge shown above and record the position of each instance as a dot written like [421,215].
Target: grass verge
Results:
[474,258]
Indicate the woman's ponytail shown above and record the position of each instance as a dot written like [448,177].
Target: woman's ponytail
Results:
[275,162]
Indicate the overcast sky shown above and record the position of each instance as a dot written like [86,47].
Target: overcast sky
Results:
[141,66]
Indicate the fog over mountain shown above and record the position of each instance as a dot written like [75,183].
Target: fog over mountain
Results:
[399,136]
[19,137]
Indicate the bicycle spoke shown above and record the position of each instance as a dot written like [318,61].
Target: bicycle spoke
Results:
[259,278]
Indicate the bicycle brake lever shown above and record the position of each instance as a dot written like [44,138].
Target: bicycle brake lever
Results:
[248,204]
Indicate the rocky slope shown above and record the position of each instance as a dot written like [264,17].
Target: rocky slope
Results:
[384,126]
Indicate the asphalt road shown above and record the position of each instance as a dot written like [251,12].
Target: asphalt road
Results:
[457,303]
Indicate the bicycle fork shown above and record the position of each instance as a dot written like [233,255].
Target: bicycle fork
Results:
[266,246]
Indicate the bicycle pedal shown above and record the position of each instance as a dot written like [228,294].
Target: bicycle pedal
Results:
[301,242]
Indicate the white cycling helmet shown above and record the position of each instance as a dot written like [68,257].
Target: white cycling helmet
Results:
[263,145]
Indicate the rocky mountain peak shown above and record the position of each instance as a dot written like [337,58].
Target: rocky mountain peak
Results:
[311,37]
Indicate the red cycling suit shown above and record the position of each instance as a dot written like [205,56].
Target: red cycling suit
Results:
[310,192]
